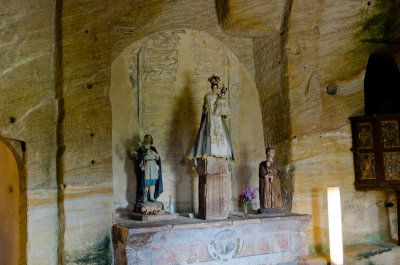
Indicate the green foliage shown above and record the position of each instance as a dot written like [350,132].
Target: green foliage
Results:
[380,24]
[141,144]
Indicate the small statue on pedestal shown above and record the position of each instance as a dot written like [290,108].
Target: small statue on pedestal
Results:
[270,185]
[149,180]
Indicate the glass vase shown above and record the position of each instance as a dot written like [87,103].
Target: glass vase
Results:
[245,214]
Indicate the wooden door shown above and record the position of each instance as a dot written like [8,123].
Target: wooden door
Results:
[9,207]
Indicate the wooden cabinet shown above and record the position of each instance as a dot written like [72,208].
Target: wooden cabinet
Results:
[376,150]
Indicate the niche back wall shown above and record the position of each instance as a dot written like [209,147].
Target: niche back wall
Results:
[158,85]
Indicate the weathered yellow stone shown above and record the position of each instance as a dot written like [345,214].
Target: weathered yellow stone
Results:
[252,18]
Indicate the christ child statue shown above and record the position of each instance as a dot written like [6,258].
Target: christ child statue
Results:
[222,104]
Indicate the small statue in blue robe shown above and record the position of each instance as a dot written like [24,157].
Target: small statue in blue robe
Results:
[149,181]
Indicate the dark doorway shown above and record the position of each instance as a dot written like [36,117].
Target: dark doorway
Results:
[381,85]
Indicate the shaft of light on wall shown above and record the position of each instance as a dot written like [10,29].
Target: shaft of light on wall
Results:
[335,226]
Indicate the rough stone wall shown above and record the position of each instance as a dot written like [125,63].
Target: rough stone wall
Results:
[28,114]
[93,35]
[133,20]
[86,133]
[322,52]
[56,74]
[63,112]
[272,84]
[323,45]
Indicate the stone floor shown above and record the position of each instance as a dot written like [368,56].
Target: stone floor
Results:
[385,253]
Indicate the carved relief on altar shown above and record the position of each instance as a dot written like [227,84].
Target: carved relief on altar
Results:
[226,245]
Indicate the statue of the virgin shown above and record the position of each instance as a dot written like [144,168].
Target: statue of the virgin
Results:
[213,138]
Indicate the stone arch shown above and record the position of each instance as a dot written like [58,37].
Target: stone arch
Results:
[157,86]
[13,203]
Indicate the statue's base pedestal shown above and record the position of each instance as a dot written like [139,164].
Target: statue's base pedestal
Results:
[256,240]
[272,211]
[213,188]
[153,218]
[151,211]
[149,208]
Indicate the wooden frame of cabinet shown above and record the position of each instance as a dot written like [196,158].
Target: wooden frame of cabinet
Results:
[376,152]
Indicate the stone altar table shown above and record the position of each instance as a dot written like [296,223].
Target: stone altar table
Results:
[256,240]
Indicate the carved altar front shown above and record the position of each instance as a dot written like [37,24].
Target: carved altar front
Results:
[256,240]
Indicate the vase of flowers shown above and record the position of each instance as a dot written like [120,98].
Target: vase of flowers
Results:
[248,195]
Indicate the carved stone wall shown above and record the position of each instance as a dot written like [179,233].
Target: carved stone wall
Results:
[310,55]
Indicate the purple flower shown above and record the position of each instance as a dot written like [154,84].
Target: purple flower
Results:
[248,195]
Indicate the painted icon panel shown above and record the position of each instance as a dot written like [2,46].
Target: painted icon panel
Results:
[391,161]
[367,165]
[365,138]
[390,134]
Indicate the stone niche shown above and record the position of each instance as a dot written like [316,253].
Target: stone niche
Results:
[158,85]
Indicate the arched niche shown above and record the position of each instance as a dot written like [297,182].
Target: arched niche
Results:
[158,85]
[13,230]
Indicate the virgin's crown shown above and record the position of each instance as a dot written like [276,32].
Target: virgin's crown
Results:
[214,80]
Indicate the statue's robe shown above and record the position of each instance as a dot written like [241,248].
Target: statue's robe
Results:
[270,191]
[213,137]
[141,178]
